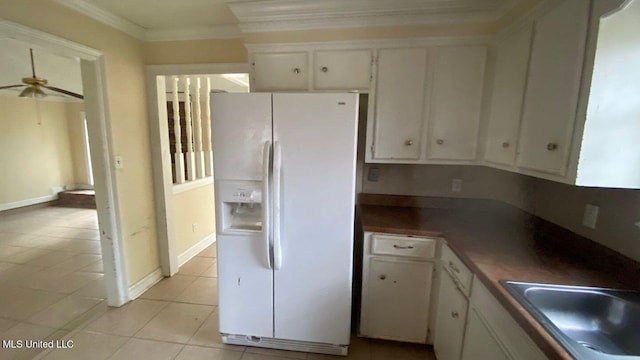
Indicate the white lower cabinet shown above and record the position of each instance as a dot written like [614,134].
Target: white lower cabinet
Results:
[479,343]
[492,333]
[396,290]
[450,319]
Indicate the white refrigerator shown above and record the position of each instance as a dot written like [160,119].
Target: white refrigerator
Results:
[284,170]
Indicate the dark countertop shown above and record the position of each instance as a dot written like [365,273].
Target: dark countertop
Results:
[500,242]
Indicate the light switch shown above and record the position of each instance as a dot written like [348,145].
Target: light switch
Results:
[119,163]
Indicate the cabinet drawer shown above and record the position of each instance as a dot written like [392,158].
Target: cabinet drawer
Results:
[416,247]
[460,272]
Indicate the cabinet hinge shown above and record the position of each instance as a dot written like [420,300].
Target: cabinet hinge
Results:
[372,150]
[253,64]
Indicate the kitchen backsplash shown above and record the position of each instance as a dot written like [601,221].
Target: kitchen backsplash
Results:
[558,203]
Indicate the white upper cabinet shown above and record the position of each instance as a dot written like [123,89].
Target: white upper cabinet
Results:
[280,71]
[342,69]
[398,107]
[576,122]
[553,86]
[455,101]
[432,93]
[512,60]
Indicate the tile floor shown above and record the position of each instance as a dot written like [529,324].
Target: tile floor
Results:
[50,273]
[176,319]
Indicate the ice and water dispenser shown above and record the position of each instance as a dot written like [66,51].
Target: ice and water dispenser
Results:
[241,205]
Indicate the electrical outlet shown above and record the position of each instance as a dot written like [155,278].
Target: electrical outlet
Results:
[194,227]
[590,216]
[456,185]
[119,163]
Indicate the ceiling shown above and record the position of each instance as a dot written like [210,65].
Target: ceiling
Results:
[163,20]
[59,71]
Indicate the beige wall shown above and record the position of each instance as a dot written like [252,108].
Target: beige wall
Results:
[35,148]
[123,56]
[195,206]
[558,203]
[195,52]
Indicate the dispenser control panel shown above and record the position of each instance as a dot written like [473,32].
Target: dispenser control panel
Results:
[247,195]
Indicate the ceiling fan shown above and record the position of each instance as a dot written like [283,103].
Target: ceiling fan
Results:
[35,84]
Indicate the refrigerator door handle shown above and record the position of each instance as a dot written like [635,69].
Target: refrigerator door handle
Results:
[277,178]
[266,200]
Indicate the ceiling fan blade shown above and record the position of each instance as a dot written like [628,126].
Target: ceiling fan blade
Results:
[77,96]
[11,86]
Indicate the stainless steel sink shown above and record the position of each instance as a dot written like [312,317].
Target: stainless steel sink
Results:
[591,323]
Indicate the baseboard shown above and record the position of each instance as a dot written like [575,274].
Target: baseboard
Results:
[195,249]
[79,187]
[27,202]
[143,285]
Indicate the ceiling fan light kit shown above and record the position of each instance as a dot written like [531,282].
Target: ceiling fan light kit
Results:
[35,84]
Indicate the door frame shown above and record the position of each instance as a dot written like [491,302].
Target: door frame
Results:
[92,64]
[161,155]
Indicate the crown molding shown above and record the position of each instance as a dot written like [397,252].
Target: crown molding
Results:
[286,15]
[105,17]
[144,34]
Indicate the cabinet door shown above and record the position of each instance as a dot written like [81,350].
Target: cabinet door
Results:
[512,60]
[479,343]
[455,101]
[552,88]
[399,99]
[280,71]
[397,299]
[342,69]
[450,320]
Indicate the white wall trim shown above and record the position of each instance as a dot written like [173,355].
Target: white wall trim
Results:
[287,15]
[105,17]
[160,151]
[118,22]
[27,202]
[145,284]
[190,185]
[52,44]
[196,249]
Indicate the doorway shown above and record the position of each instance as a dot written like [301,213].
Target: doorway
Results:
[183,174]
[95,98]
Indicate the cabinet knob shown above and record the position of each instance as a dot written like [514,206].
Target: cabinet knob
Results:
[454,314]
[439,141]
[296,70]
[552,146]
[506,144]
[408,142]
[382,277]
[324,69]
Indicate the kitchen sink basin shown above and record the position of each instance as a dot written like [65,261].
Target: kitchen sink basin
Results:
[591,323]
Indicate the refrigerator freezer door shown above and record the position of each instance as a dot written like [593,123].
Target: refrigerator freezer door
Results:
[245,285]
[312,288]
[240,125]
